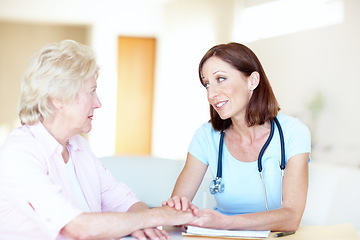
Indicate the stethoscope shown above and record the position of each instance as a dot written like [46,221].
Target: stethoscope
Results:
[216,186]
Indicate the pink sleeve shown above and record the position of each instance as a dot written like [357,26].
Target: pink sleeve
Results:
[115,196]
[103,192]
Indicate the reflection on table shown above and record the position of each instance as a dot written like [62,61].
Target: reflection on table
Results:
[329,232]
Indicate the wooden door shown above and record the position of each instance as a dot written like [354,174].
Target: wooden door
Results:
[136,60]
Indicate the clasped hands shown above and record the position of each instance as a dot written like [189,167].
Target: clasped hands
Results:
[205,217]
[179,212]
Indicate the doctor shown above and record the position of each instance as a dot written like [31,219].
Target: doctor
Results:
[242,143]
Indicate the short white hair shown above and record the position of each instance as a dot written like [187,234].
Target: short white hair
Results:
[57,71]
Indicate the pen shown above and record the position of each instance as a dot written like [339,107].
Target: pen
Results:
[282,234]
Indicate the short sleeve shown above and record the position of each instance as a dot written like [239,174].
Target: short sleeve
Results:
[297,137]
[199,145]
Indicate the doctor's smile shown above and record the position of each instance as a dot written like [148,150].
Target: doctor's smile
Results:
[220,104]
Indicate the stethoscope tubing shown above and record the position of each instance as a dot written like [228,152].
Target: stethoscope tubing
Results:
[217,187]
[221,144]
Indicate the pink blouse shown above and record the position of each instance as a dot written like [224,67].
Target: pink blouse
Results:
[36,199]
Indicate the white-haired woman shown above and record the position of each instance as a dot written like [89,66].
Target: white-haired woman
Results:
[52,185]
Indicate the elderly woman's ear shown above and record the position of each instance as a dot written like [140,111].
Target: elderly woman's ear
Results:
[57,104]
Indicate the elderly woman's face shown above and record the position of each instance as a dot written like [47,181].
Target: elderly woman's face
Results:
[228,89]
[80,112]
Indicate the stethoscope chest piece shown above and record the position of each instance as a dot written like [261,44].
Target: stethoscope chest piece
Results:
[216,186]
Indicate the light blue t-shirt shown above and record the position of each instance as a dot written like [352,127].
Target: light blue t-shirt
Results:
[243,187]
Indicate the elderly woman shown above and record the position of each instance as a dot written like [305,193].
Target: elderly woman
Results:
[247,144]
[52,186]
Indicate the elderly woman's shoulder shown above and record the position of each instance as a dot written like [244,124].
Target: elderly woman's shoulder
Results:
[18,135]
[19,142]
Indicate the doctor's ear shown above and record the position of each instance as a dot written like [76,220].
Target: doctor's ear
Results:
[253,80]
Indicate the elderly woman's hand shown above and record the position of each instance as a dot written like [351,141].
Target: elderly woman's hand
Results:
[151,233]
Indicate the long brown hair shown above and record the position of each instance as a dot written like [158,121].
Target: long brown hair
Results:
[263,105]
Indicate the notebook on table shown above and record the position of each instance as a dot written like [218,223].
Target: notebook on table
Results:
[241,234]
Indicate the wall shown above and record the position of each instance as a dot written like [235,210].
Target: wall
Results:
[320,60]
[316,60]
[18,42]
[299,64]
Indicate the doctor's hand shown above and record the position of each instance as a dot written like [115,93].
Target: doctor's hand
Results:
[209,218]
[181,204]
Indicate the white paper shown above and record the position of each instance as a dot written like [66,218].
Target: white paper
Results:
[226,233]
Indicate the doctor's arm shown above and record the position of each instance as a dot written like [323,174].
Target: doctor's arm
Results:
[287,218]
[187,185]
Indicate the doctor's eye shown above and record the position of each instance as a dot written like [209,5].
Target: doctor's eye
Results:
[206,84]
[220,79]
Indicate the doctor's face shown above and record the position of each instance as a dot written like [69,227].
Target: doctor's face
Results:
[228,89]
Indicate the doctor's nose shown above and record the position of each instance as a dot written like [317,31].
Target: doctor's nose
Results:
[212,92]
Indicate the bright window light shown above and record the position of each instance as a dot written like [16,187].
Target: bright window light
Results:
[285,16]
